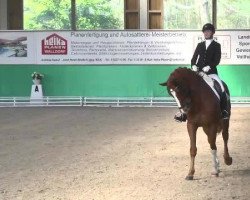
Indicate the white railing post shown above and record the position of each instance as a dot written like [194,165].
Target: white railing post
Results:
[85,100]
[81,101]
[118,102]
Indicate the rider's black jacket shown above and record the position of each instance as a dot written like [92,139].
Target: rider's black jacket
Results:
[207,57]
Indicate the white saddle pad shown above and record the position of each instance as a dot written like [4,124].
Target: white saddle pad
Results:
[210,82]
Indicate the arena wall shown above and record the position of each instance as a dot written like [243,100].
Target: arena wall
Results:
[107,80]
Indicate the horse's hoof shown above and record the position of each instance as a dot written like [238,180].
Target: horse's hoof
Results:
[228,160]
[189,178]
[215,174]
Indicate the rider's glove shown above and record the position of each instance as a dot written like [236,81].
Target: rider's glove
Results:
[194,68]
[206,69]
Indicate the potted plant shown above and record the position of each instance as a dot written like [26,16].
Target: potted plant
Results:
[37,77]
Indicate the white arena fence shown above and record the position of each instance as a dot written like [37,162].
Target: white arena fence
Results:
[50,101]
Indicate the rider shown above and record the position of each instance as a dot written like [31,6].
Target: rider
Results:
[206,57]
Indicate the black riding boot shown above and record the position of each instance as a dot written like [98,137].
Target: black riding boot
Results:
[223,105]
[180,117]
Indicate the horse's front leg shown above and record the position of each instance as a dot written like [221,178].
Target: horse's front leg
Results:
[216,164]
[211,132]
[193,149]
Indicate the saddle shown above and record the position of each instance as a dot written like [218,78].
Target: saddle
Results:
[213,84]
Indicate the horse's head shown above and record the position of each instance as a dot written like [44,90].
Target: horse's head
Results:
[178,87]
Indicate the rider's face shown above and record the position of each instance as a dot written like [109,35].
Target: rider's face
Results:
[208,34]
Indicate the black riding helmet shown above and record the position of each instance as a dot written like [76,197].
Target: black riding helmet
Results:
[208,26]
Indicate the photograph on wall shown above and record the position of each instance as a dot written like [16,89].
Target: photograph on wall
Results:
[16,47]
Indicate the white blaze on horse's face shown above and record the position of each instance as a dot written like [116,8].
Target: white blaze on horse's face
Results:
[176,99]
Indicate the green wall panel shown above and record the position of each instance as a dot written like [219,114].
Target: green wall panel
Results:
[106,81]
[237,79]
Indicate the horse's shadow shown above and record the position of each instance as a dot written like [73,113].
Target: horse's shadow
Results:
[229,173]
[237,172]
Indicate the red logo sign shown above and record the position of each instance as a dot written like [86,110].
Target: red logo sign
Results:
[54,44]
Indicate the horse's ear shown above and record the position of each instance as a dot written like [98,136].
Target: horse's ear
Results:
[163,84]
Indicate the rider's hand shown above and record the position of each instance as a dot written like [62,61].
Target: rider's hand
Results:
[206,69]
[194,68]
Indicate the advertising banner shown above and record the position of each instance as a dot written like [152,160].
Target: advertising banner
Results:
[117,47]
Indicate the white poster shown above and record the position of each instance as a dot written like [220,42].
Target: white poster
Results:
[235,47]
[117,47]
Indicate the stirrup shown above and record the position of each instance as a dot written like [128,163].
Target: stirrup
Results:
[180,117]
[225,114]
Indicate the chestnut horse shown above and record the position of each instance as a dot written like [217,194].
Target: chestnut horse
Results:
[195,98]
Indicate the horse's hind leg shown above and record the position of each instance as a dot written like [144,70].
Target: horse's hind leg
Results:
[193,149]
[227,159]
[225,126]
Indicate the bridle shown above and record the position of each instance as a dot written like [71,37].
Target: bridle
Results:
[184,106]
